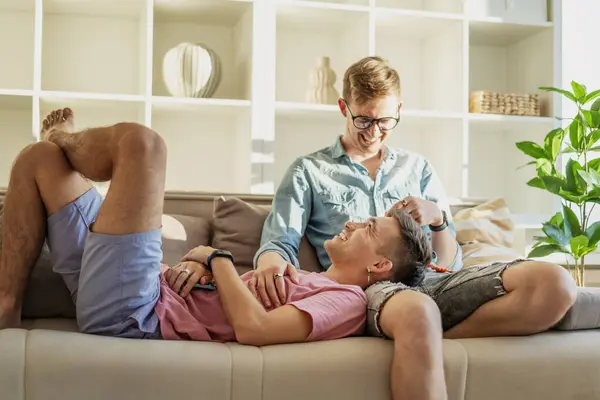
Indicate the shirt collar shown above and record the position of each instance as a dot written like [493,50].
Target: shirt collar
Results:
[337,150]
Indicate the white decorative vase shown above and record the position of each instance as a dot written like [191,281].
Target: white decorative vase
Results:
[191,70]
[322,83]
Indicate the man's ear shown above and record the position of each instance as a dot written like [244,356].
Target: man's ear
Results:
[342,106]
[383,267]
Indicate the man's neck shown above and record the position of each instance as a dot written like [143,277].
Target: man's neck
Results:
[369,160]
[337,275]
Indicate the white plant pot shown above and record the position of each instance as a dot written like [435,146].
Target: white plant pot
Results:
[521,11]
[191,70]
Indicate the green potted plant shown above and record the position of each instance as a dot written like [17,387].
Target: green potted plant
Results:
[577,184]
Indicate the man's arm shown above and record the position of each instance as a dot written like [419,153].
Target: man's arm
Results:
[252,324]
[285,225]
[448,253]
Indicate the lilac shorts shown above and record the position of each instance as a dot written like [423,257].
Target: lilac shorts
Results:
[113,279]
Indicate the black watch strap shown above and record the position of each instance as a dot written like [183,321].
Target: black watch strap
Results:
[218,253]
[441,227]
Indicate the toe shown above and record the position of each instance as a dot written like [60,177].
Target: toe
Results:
[67,113]
[59,116]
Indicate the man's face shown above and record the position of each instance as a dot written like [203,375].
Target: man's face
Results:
[366,136]
[361,243]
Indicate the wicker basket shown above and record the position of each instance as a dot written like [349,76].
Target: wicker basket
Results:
[484,102]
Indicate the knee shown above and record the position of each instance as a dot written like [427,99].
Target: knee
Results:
[139,141]
[552,291]
[32,156]
[411,317]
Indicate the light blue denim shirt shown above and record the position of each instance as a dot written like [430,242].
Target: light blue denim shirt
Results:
[321,191]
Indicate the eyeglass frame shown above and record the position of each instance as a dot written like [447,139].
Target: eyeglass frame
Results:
[373,120]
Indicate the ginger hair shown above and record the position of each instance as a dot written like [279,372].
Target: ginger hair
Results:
[370,78]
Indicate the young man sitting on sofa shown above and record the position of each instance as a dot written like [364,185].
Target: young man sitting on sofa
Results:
[109,250]
[359,176]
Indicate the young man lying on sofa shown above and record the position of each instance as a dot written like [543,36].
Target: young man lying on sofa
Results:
[109,250]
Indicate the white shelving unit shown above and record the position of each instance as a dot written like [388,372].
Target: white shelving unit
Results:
[103,58]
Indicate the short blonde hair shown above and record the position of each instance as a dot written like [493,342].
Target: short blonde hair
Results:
[370,78]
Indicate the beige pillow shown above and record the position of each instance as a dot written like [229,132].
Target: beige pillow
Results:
[486,233]
[180,234]
[237,227]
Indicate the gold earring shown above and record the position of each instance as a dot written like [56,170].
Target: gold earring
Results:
[368,275]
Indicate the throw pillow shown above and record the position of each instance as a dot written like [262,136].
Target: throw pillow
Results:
[486,233]
[237,227]
[180,234]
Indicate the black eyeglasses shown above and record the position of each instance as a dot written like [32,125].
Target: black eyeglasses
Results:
[384,124]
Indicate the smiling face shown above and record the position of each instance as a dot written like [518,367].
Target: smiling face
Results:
[368,125]
[395,248]
[371,91]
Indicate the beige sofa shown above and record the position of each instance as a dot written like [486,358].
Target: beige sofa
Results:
[50,359]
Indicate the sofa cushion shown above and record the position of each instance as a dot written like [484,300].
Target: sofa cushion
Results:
[180,234]
[237,227]
[486,233]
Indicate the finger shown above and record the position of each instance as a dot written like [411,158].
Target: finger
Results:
[206,279]
[252,286]
[293,272]
[262,291]
[280,288]
[189,285]
[272,291]
[182,278]
[174,273]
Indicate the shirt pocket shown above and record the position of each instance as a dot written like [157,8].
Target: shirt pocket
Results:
[341,206]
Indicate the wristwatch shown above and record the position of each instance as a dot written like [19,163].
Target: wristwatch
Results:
[218,253]
[441,227]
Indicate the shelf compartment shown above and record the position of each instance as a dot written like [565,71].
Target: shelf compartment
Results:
[17,33]
[16,116]
[414,44]
[438,6]
[305,33]
[494,161]
[107,38]
[208,147]
[225,26]
[510,58]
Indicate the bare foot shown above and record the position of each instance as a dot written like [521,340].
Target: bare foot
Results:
[57,121]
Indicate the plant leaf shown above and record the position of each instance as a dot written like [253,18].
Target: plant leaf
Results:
[565,93]
[572,226]
[554,184]
[593,137]
[592,118]
[591,96]
[545,250]
[578,245]
[576,134]
[543,167]
[557,220]
[525,165]
[574,198]
[532,149]
[536,183]
[553,142]
[594,164]
[593,233]
[579,90]
[555,233]
[592,177]
[575,184]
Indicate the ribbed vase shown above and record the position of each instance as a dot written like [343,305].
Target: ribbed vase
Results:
[191,70]
[322,83]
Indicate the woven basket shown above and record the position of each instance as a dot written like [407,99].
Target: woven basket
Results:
[484,102]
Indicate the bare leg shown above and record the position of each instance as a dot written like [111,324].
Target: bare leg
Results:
[133,157]
[413,321]
[538,295]
[41,183]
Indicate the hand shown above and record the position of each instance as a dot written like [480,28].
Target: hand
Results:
[270,291]
[183,276]
[199,254]
[425,212]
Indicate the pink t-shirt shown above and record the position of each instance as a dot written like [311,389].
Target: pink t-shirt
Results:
[336,310]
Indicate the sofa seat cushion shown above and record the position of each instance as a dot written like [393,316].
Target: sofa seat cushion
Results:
[12,363]
[554,365]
